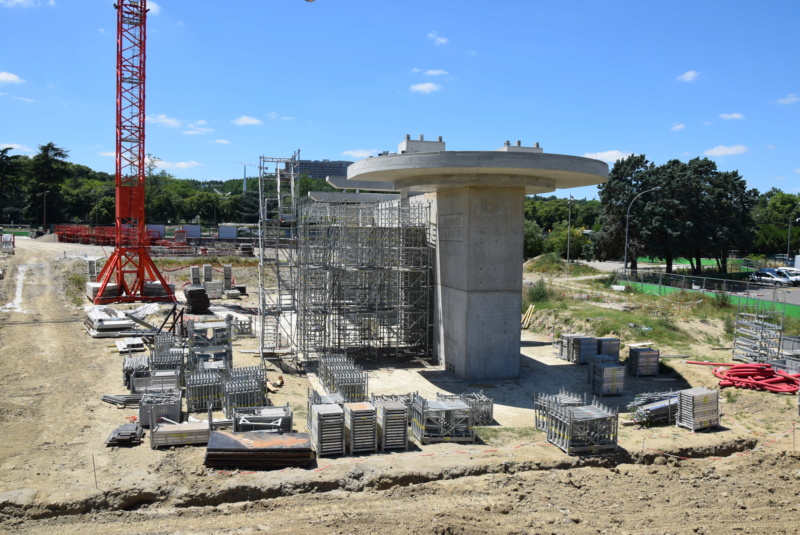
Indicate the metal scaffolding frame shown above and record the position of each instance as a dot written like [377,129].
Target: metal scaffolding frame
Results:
[364,280]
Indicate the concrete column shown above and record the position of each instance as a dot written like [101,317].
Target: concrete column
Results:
[479,280]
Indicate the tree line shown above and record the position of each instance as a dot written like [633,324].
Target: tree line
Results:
[47,189]
[697,212]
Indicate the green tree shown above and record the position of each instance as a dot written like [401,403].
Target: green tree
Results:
[534,241]
[47,172]
[11,169]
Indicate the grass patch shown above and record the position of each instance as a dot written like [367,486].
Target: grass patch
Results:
[76,288]
[552,264]
[541,295]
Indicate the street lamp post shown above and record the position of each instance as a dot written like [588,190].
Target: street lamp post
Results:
[569,228]
[627,220]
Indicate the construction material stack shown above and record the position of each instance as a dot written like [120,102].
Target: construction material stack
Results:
[361,429]
[608,346]
[392,420]
[608,378]
[643,361]
[277,419]
[543,404]
[585,429]
[698,408]
[166,433]
[481,405]
[757,333]
[327,429]
[441,421]
[204,391]
[583,347]
[258,451]
[156,405]
[340,374]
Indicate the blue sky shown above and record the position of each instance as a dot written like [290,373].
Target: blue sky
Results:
[343,79]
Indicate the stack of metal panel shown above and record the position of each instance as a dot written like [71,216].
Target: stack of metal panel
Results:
[131,365]
[565,346]
[171,359]
[482,406]
[315,398]
[197,299]
[596,359]
[392,421]
[662,412]
[126,435]
[243,392]
[544,402]
[643,361]
[257,373]
[171,434]
[583,347]
[227,277]
[155,405]
[340,374]
[441,421]
[405,399]
[203,391]
[195,275]
[327,429]
[259,451]
[698,408]
[588,428]
[208,273]
[361,430]
[122,400]
[608,378]
[279,419]
[145,380]
[608,346]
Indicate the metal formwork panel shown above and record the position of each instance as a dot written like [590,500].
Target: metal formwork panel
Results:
[360,422]
[608,378]
[608,346]
[165,404]
[327,429]
[543,404]
[643,361]
[441,421]
[584,429]
[203,391]
[165,434]
[698,408]
[392,422]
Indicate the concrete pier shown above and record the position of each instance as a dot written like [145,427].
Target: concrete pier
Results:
[480,198]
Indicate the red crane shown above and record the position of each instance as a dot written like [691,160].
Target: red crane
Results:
[130,271]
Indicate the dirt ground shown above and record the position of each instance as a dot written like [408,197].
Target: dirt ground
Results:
[743,477]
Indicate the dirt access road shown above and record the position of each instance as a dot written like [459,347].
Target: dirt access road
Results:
[742,478]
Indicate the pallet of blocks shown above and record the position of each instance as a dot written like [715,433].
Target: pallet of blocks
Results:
[608,378]
[585,429]
[643,361]
[258,451]
[361,430]
[278,419]
[168,433]
[544,402]
[392,420]
[698,408]
[441,421]
[327,429]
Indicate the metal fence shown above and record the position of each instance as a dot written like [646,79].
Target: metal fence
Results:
[703,284]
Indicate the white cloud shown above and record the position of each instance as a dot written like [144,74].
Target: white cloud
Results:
[797,171]
[177,165]
[15,146]
[677,127]
[222,141]
[198,127]
[770,147]
[722,150]
[163,120]
[779,178]
[246,120]
[276,116]
[112,154]
[287,118]
[688,76]
[23,99]
[10,78]
[427,87]
[101,30]
[791,98]
[360,153]
[18,3]
[731,116]
[153,8]
[609,156]
[437,39]
[435,72]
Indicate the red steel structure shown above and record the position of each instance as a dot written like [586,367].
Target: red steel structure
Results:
[130,270]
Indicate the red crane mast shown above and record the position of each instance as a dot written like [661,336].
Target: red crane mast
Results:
[130,271]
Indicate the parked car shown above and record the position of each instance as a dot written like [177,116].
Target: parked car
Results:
[770,276]
[793,274]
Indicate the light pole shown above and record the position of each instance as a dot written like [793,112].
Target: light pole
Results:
[569,226]
[789,234]
[627,220]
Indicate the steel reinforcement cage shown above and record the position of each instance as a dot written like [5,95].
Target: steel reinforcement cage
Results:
[364,280]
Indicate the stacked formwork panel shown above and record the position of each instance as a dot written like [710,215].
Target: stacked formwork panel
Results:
[364,280]
[543,403]
[360,423]
[339,374]
[584,429]
[643,361]
[392,420]
[327,429]
[441,421]
[698,408]
[757,334]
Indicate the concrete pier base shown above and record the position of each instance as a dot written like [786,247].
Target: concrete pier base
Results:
[479,280]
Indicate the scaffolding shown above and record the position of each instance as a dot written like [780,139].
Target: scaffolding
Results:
[758,333]
[364,280]
[277,254]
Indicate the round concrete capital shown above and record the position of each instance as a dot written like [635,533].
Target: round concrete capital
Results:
[432,171]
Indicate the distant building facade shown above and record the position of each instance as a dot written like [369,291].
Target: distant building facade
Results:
[322,168]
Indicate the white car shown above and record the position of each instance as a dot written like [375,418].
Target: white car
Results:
[793,274]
